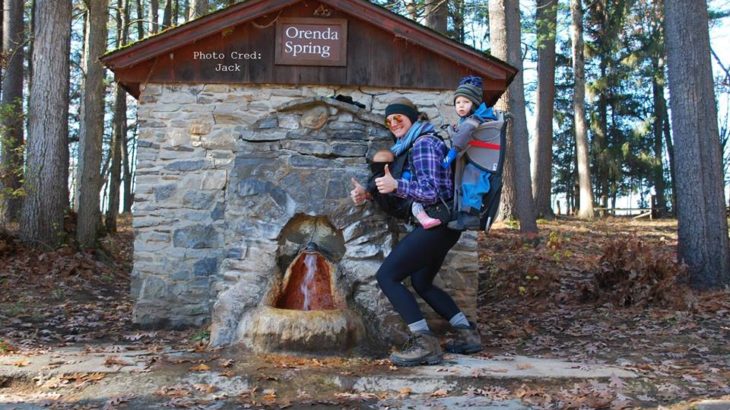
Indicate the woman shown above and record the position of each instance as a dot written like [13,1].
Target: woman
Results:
[421,253]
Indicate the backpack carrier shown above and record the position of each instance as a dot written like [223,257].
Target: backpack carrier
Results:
[486,151]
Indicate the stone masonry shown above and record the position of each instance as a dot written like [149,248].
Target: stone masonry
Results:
[223,169]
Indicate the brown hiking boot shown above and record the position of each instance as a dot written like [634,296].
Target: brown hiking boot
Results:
[466,341]
[421,348]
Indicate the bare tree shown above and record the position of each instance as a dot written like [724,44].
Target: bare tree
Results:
[542,159]
[47,148]
[505,35]
[13,34]
[703,229]
[585,211]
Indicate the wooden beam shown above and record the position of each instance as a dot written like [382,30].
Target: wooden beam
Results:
[420,35]
[191,32]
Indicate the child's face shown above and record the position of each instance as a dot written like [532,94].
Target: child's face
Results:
[383,156]
[463,106]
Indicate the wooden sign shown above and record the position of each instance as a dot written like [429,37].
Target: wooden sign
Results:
[311,41]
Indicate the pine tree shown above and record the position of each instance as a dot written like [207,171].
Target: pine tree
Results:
[505,35]
[585,209]
[47,148]
[546,20]
[11,157]
[703,229]
[92,126]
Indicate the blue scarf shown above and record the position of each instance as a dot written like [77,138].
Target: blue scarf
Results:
[405,142]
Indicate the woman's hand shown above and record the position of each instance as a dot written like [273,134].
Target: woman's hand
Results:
[386,184]
[358,194]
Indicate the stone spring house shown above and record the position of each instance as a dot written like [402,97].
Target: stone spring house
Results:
[244,156]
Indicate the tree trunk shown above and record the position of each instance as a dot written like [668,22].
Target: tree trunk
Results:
[437,13]
[507,46]
[542,164]
[91,130]
[498,45]
[2,36]
[154,14]
[167,15]
[198,8]
[703,234]
[140,20]
[458,19]
[670,154]
[600,141]
[12,96]
[126,168]
[186,10]
[581,129]
[658,94]
[47,149]
[120,126]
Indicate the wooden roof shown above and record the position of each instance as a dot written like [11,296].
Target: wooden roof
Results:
[384,50]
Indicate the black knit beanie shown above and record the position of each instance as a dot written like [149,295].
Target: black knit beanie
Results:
[404,106]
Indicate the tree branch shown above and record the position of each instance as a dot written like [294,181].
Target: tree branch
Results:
[719,62]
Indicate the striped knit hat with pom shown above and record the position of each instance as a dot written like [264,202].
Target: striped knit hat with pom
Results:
[470,87]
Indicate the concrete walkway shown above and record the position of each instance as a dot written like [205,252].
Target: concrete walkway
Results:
[141,378]
[120,377]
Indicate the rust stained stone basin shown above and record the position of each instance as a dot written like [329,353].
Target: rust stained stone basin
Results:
[306,313]
[307,284]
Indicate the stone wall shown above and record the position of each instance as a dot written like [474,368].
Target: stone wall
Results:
[221,170]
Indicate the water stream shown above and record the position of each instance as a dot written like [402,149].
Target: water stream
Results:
[310,261]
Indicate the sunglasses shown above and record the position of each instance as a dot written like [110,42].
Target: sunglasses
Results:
[389,122]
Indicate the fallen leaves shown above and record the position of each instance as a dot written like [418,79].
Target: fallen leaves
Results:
[440,393]
[202,367]
[116,361]
[21,363]
[6,347]
[175,391]
[81,379]
[667,346]
[677,353]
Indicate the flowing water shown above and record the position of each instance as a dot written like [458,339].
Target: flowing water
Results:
[308,286]
[310,261]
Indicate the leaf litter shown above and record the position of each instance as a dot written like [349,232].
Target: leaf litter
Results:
[608,292]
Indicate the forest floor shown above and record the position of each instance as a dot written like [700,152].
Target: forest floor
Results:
[605,292]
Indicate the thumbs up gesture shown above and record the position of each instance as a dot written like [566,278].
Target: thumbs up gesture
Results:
[358,193]
[386,184]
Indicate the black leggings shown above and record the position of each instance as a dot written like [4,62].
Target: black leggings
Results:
[419,255]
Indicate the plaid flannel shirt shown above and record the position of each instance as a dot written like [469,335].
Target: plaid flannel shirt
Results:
[430,180]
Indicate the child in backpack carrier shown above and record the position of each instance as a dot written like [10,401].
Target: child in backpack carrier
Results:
[385,157]
[475,176]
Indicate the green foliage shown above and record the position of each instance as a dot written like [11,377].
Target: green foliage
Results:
[200,336]
[13,164]
[718,14]
[5,347]
[624,45]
